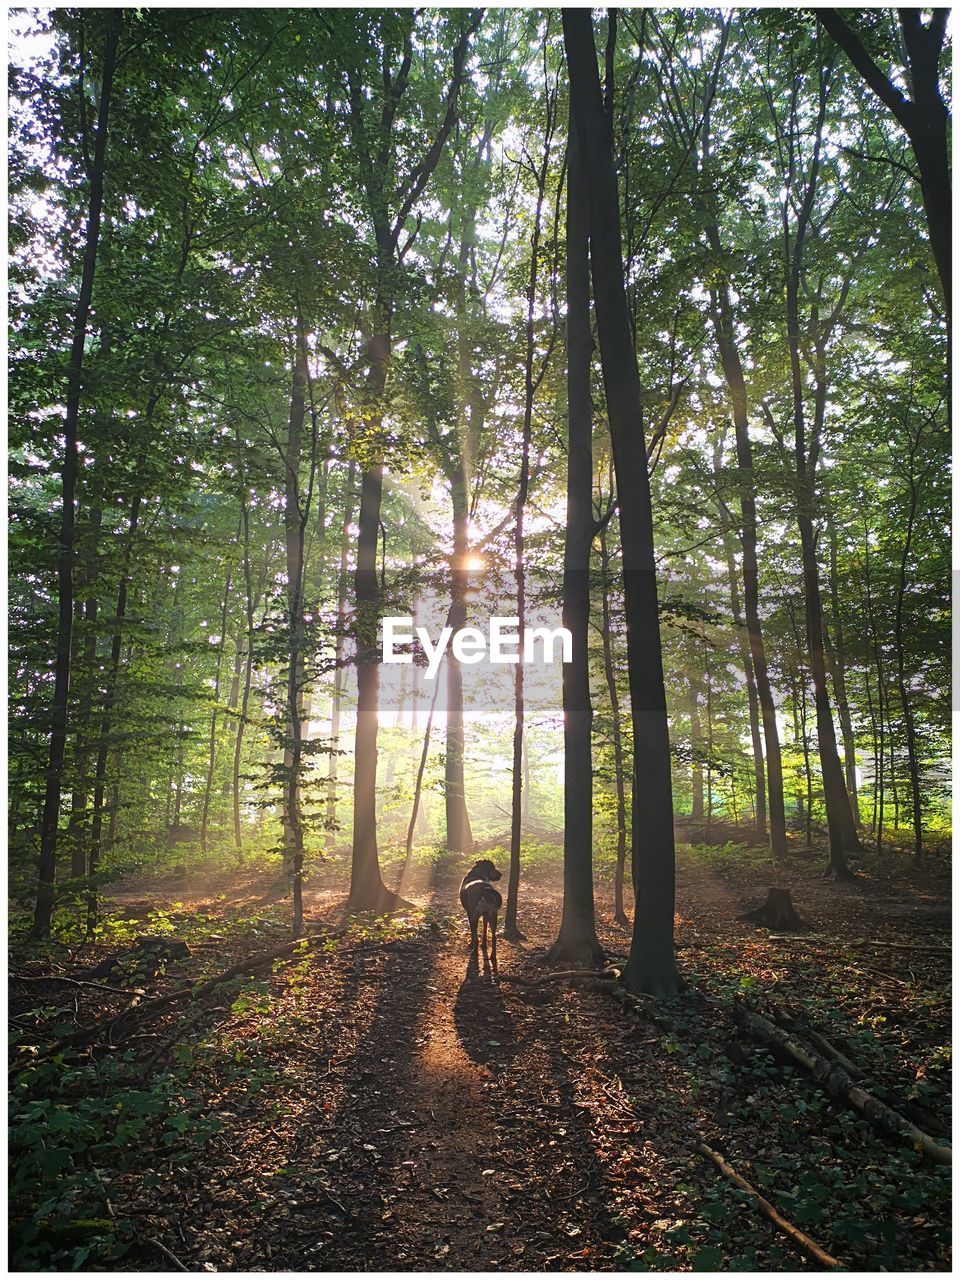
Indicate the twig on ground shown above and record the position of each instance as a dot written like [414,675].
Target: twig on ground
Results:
[800,1238]
[76,982]
[172,1257]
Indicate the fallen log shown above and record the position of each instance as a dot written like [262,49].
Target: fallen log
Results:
[838,1085]
[797,1023]
[800,1238]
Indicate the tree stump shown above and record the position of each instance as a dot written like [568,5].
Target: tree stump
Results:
[777,912]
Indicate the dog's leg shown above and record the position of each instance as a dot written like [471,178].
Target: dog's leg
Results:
[493,943]
[474,941]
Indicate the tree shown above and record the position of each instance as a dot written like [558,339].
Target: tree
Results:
[652,965]
[577,941]
[924,116]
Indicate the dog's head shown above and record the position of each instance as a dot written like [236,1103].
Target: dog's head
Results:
[485,870]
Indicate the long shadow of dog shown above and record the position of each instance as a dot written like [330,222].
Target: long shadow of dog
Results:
[482,1020]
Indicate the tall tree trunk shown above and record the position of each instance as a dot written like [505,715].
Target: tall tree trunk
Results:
[367,890]
[418,785]
[696,769]
[652,964]
[613,694]
[294,525]
[708,707]
[50,819]
[530,384]
[106,719]
[77,834]
[459,835]
[838,669]
[338,652]
[906,704]
[212,745]
[233,705]
[577,941]
[247,675]
[753,701]
[724,329]
[841,830]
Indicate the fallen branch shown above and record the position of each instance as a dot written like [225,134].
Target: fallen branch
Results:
[249,964]
[838,1085]
[610,974]
[171,1257]
[902,946]
[164,1048]
[76,982]
[800,1238]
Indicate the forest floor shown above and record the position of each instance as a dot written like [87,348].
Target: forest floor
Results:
[378,1104]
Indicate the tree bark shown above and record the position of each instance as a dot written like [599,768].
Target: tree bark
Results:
[906,704]
[459,835]
[247,675]
[724,331]
[652,965]
[106,720]
[842,832]
[838,667]
[577,941]
[79,801]
[212,746]
[50,818]
[753,701]
[294,520]
[530,384]
[613,694]
[338,652]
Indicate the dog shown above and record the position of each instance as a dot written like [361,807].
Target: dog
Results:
[481,901]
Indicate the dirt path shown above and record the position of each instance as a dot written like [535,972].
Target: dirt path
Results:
[451,1137]
[391,1109]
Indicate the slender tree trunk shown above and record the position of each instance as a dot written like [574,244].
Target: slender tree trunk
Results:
[724,331]
[696,769]
[212,746]
[753,701]
[459,835]
[418,785]
[838,666]
[233,705]
[618,754]
[50,819]
[906,704]
[106,720]
[577,942]
[652,964]
[339,646]
[294,526]
[76,828]
[367,890]
[530,384]
[841,830]
[247,675]
[708,707]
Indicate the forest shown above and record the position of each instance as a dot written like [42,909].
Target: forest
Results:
[479,639]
